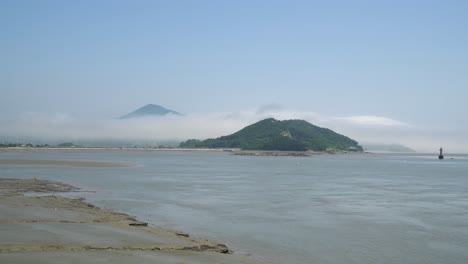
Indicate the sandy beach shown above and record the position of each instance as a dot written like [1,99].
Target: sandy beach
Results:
[38,227]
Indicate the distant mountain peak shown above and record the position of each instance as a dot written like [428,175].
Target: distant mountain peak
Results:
[150,110]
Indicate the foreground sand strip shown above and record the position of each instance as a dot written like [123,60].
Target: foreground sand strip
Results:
[55,223]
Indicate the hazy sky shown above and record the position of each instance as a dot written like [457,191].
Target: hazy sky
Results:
[377,66]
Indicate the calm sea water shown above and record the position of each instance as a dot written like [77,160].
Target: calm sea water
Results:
[329,209]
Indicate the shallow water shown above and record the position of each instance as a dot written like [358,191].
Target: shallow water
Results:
[324,209]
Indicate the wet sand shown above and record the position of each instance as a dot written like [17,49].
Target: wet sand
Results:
[64,163]
[55,229]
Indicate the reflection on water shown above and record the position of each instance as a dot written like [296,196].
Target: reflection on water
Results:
[324,209]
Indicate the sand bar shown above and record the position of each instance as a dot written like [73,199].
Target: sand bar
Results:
[55,229]
[64,163]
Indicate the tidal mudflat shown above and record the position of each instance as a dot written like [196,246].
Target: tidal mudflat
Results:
[40,228]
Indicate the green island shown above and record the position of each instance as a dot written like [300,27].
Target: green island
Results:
[287,135]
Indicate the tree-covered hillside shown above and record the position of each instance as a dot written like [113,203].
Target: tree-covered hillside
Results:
[288,135]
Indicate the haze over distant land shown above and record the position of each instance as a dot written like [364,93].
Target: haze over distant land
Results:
[172,129]
[380,72]
[387,148]
[148,111]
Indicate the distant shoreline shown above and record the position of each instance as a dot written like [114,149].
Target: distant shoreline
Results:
[103,149]
[234,151]
[275,153]
[65,163]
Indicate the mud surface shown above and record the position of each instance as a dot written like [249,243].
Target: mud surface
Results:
[42,227]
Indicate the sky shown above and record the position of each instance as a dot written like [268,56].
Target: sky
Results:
[378,71]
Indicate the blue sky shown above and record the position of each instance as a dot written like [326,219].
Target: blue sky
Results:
[406,61]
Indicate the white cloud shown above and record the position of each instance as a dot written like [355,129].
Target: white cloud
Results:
[371,121]
[371,129]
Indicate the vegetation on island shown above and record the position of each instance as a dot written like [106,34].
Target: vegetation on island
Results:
[287,135]
[27,145]
[30,145]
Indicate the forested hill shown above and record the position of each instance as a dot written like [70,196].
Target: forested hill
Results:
[272,134]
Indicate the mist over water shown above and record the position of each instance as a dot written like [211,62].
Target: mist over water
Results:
[323,209]
[54,128]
